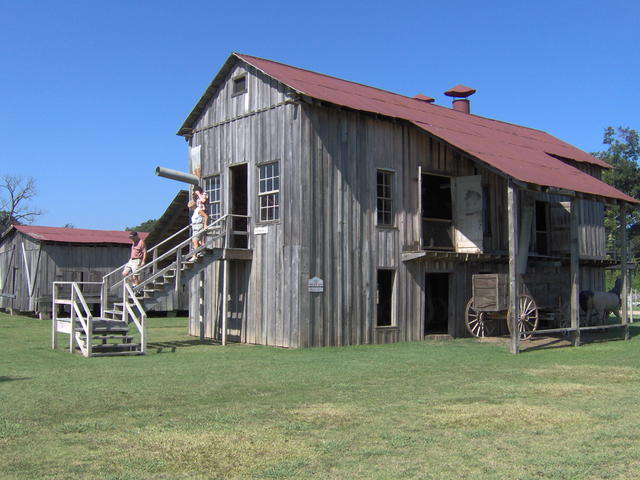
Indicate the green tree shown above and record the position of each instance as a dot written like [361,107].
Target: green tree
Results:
[622,154]
[146,226]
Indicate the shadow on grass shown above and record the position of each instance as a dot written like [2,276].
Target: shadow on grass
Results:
[11,379]
[586,337]
[173,345]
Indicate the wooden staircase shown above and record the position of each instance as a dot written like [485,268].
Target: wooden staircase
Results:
[120,329]
[164,279]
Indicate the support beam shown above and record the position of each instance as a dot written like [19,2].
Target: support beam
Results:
[225,300]
[512,204]
[574,248]
[201,323]
[624,269]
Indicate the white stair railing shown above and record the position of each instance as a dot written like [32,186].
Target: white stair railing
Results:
[138,315]
[113,280]
[80,319]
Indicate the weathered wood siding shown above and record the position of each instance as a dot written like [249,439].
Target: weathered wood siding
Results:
[347,247]
[328,160]
[256,128]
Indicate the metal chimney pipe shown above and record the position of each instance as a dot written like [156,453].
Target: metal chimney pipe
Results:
[176,175]
[460,94]
[461,105]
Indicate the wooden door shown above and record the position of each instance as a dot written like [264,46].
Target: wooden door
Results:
[468,214]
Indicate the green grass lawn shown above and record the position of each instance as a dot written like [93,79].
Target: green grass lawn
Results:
[431,410]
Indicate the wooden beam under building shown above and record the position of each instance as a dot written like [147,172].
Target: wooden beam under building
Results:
[624,269]
[512,206]
[574,272]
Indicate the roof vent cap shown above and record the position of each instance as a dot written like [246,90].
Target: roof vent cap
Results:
[424,98]
[460,91]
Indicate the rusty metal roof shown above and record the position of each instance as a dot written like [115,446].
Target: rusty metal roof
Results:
[76,235]
[522,153]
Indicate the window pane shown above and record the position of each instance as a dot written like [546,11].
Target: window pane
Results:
[212,187]
[384,192]
[268,190]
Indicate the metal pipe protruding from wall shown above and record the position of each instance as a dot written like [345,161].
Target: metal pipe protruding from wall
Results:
[176,175]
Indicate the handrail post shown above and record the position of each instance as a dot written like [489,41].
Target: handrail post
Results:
[72,320]
[143,333]
[125,301]
[178,269]
[54,318]
[89,334]
[228,226]
[103,298]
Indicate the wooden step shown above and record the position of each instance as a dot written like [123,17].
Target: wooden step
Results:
[113,331]
[116,354]
[116,347]
[127,339]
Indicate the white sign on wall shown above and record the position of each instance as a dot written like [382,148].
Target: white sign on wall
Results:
[260,230]
[316,285]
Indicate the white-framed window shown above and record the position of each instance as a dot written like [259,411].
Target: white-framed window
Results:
[384,192]
[269,191]
[213,188]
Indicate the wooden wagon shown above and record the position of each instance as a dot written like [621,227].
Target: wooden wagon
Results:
[488,306]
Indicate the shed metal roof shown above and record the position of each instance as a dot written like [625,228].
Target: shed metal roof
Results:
[522,153]
[76,235]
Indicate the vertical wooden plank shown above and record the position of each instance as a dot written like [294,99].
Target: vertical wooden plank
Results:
[574,249]
[225,300]
[512,205]
[624,268]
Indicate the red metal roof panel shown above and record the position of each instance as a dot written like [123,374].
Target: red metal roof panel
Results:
[520,152]
[76,235]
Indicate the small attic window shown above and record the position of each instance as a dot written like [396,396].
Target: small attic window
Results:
[239,85]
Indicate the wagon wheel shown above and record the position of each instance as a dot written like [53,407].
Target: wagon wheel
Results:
[479,324]
[528,321]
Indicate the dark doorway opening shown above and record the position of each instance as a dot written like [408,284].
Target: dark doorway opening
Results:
[436,305]
[384,315]
[238,223]
[437,213]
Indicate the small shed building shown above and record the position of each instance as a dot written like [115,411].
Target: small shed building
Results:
[32,257]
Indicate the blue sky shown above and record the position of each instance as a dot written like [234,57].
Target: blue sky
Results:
[93,92]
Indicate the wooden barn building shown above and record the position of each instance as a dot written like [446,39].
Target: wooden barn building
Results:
[357,216]
[33,257]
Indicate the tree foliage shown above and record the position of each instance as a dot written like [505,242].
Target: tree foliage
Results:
[15,194]
[622,154]
[145,226]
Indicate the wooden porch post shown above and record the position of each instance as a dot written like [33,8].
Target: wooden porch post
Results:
[201,321]
[225,301]
[512,203]
[624,262]
[574,247]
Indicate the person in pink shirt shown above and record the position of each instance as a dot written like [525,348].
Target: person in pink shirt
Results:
[137,259]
